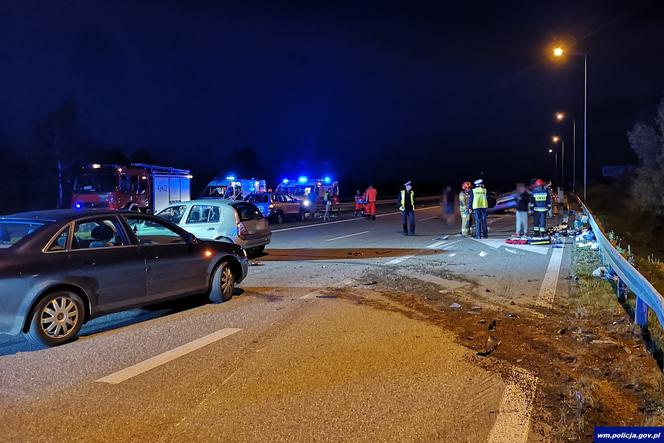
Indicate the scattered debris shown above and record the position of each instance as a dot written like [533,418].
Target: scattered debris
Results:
[481,321]
[511,315]
[444,237]
[492,325]
[455,306]
[569,358]
[475,308]
[487,290]
[604,342]
[370,283]
[600,272]
[561,331]
[326,296]
[491,344]
[256,263]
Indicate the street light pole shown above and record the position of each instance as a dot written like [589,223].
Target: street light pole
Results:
[562,143]
[574,155]
[585,126]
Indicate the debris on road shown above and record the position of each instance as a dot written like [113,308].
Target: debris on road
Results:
[455,306]
[492,325]
[256,263]
[370,283]
[491,344]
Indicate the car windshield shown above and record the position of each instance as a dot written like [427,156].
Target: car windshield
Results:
[173,213]
[95,183]
[12,231]
[258,198]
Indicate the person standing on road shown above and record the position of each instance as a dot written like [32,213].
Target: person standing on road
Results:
[370,207]
[464,207]
[407,208]
[522,199]
[359,203]
[480,204]
[327,200]
[540,204]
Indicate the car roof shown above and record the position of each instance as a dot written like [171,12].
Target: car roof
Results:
[58,215]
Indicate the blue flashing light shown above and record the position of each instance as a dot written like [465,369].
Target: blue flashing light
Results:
[303,179]
[78,206]
[230,177]
[285,180]
[327,180]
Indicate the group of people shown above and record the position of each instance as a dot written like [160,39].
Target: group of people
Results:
[365,204]
[473,206]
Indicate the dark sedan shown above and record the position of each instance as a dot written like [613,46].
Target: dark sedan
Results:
[58,269]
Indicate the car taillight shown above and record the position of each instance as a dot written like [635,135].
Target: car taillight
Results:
[241,230]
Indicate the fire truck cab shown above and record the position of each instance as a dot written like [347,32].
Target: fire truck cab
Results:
[138,187]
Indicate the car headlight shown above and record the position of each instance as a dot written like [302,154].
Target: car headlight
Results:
[306,203]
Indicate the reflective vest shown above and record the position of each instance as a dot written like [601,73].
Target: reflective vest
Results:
[479,198]
[403,200]
[540,201]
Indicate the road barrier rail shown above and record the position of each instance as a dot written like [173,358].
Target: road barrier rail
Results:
[351,205]
[647,297]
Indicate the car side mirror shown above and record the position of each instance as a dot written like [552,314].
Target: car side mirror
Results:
[191,239]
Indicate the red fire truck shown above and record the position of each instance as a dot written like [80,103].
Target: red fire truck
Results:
[138,187]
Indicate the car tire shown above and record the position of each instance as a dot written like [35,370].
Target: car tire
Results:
[56,319]
[223,283]
[279,217]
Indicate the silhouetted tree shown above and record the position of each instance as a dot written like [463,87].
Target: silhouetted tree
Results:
[647,142]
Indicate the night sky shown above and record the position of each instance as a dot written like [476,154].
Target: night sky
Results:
[380,91]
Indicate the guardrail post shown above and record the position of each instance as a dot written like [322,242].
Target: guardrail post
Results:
[641,313]
[620,290]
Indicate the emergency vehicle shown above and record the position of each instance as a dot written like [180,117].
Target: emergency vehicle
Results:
[311,192]
[232,188]
[138,187]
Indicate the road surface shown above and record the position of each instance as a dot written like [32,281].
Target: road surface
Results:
[327,340]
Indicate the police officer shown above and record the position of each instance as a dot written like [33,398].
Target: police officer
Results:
[479,204]
[540,204]
[407,208]
[464,207]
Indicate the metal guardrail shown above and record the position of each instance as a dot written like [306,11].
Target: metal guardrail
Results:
[647,297]
[351,205]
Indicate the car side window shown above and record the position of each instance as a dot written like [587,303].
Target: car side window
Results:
[60,242]
[152,232]
[203,214]
[97,233]
[288,198]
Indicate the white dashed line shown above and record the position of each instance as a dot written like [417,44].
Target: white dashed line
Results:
[398,260]
[483,254]
[165,357]
[547,292]
[347,236]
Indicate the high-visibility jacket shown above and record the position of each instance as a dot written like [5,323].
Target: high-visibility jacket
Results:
[403,200]
[479,198]
[540,200]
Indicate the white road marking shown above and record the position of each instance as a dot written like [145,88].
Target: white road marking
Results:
[496,243]
[398,260]
[318,225]
[483,254]
[165,357]
[547,291]
[346,236]
[436,245]
[512,251]
[512,424]
[452,254]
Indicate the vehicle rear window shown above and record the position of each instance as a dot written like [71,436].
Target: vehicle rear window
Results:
[11,232]
[247,211]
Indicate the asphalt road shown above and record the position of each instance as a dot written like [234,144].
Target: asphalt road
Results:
[299,354]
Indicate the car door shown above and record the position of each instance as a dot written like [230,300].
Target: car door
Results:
[203,221]
[174,267]
[105,260]
[292,205]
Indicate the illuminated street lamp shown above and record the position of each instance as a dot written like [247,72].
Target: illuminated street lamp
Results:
[560,116]
[559,52]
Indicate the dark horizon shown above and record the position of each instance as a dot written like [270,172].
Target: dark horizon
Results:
[369,92]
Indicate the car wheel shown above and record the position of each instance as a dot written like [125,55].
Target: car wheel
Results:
[223,283]
[56,319]
[279,218]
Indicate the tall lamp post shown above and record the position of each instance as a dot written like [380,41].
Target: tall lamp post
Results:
[560,117]
[557,139]
[560,52]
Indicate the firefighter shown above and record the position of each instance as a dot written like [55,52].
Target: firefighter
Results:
[464,208]
[479,204]
[370,205]
[407,208]
[540,204]
[359,203]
